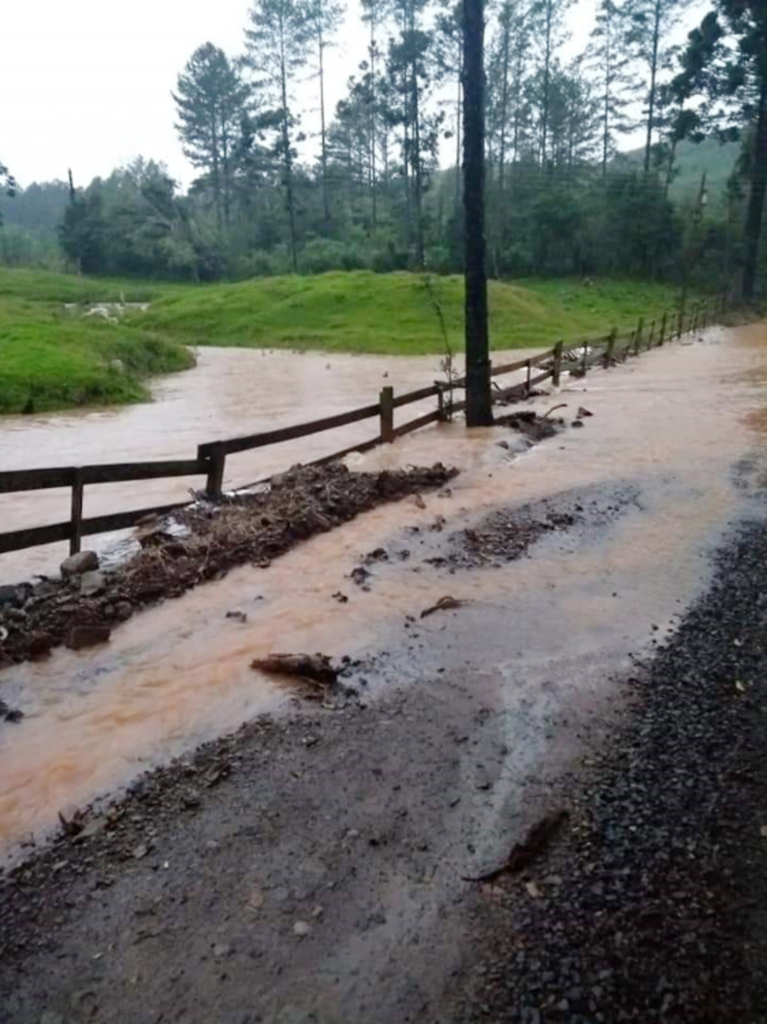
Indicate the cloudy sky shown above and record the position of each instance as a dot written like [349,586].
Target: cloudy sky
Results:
[87,84]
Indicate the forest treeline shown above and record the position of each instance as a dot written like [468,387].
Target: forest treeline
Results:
[560,197]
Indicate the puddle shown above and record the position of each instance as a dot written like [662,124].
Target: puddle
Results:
[671,426]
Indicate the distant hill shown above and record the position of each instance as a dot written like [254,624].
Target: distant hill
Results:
[692,159]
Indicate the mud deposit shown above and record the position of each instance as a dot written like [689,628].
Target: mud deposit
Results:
[255,529]
[507,534]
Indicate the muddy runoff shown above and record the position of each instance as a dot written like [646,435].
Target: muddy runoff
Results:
[198,544]
[230,392]
[541,636]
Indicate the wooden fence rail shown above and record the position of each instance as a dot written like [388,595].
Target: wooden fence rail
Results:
[211,457]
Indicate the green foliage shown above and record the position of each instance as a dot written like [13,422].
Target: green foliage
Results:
[394,313]
[212,103]
[52,358]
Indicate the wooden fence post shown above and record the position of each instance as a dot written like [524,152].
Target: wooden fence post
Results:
[663,328]
[216,460]
[529,368]
[556,371]
[75,537]
[638,336]
[651,339]
[679,330]
[387,414]
[609,358]
[441,417]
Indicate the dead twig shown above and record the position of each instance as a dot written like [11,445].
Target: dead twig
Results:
[523,854]
[444,604]
[562,405]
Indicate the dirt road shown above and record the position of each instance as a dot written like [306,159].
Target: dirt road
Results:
[312,866]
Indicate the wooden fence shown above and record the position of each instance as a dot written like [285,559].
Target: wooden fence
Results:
[210,460]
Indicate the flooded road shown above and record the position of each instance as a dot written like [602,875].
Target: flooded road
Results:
[229,393]
[672,427]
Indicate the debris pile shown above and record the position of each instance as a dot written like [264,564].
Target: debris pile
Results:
[80,607]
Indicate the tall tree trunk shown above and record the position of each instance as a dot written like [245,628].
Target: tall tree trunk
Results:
[287,158]
[653,77]
[417,169]
[323,135]
[479,411]
[373,140]
[458,104]
[504,101]
[755,210]
[546,83]
[216,160]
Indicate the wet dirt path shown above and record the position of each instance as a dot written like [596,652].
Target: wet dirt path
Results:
[668,428]
[322,881]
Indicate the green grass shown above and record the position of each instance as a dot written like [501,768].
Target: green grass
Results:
[56,358]
[394,313]
[52,358]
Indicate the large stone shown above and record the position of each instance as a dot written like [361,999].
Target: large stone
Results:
[76,565]
[91,583]
[40,645]
[9,595]
[87,636]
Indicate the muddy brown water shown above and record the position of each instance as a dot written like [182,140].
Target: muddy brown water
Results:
[229,393]
[673,425]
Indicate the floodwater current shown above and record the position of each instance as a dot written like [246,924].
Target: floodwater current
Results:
[678,425]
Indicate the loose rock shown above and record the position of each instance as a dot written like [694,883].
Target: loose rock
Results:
[76,565]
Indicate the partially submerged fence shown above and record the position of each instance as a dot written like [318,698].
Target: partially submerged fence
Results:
[210,460]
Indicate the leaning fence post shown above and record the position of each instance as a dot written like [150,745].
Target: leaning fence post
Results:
[387,414]
[529,367]
[680,330]
[638,336]
[556,371]
[652,334]
[215,456]
[610,347]
[663,328]
[76,534]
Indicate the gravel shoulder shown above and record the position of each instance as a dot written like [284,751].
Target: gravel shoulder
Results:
[652,907]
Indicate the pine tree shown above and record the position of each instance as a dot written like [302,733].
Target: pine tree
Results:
[324,18]
[609,61]
[650,26]
[211,101]
[277,44]
[550,14]
[726,62]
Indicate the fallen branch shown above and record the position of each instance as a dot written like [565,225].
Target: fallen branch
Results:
[444,604]
[524,853]
[562,405]
[311,668]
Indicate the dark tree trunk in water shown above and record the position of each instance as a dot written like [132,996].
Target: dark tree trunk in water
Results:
[755,212]
[479,411]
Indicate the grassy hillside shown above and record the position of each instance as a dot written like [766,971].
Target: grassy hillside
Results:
[53,358]
[692,160]
[393,313]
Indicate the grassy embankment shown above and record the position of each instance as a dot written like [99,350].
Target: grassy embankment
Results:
[58,358]
[54,358]
[395,313]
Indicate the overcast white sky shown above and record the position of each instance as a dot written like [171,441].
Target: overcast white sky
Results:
[87,84]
